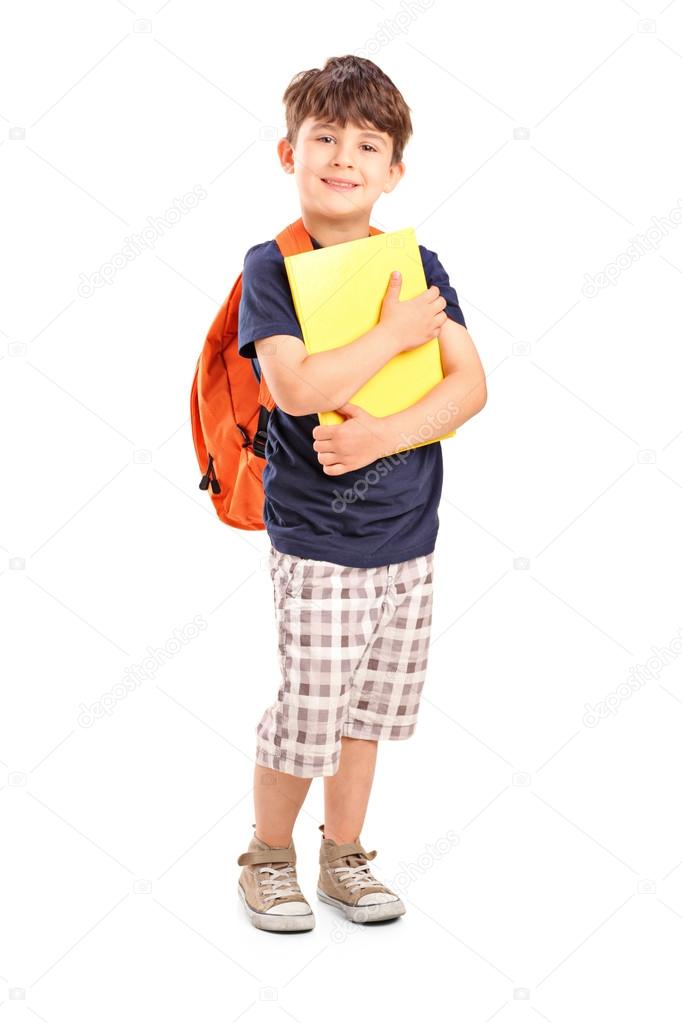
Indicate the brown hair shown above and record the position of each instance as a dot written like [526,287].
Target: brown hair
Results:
[353,89]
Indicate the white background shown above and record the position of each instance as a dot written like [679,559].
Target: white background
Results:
[546,139]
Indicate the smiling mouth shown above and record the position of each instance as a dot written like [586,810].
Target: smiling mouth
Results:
[339,185]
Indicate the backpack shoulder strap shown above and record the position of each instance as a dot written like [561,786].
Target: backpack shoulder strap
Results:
[294,239]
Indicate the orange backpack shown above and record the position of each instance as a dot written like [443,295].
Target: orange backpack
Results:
[230,408]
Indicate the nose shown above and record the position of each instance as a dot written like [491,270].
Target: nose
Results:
[343,158]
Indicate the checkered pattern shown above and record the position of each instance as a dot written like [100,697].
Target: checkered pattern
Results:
[353,650]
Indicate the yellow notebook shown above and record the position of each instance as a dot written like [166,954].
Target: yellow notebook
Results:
[337,293]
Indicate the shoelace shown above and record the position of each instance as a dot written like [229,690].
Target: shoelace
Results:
[356,878]
[282,882]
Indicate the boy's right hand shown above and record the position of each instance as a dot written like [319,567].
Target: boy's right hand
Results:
[415,321]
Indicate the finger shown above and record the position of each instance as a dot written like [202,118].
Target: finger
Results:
[323,432]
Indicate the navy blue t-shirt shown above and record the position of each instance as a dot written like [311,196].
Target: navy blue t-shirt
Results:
[381,514]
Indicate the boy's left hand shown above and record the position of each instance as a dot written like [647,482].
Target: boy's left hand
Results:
[356,442]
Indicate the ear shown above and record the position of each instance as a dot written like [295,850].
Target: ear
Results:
[395,173]
[286,155]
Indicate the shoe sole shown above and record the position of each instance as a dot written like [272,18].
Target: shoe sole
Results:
[365,914]
[276,921]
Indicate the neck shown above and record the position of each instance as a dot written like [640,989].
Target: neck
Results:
[330,232]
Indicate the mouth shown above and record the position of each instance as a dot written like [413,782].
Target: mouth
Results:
[339,185]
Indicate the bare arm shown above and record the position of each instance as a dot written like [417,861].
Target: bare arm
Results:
[457,398]
[362,439]
[302,384]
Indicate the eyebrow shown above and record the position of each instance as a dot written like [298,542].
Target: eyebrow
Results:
[328,124]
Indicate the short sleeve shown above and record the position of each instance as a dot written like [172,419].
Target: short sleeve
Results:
[266,306]
[435,274]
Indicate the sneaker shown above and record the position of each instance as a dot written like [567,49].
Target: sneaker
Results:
[269,890]
[347,883]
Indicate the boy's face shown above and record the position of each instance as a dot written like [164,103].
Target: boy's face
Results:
[326,151]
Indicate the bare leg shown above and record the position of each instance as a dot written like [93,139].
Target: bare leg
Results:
[277,797]
[346,793]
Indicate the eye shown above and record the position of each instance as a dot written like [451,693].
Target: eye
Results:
[322,137]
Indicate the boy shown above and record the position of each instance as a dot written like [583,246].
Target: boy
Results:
[352,520]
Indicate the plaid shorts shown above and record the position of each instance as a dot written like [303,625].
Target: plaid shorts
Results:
[353,649]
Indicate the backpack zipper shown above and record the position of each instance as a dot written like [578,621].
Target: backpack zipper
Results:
[210,477]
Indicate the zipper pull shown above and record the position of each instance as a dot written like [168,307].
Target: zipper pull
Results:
[210,477]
